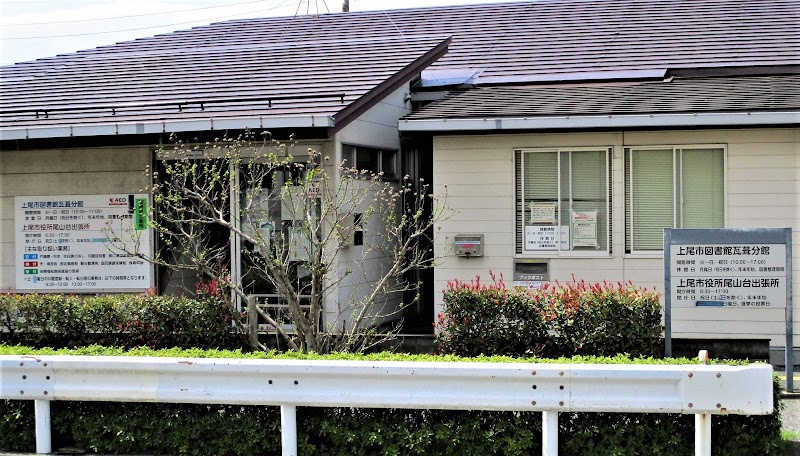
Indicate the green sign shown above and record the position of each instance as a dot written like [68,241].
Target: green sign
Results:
[140,214]
[31,271]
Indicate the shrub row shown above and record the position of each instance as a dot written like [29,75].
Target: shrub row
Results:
[146,428]
[119,320]
[576,318]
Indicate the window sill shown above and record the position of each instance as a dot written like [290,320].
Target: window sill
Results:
[644,256]
[565,255]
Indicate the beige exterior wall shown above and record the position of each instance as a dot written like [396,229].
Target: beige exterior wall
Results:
[763,190]
[83,171]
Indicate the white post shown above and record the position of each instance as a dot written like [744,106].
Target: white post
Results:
[289,430]
[42,414]
[702,434]
[549,433]
[235,239]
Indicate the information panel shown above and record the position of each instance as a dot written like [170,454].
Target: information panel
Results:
[724,270]
[584,229]
[728,275]
[538,237]
[62,243]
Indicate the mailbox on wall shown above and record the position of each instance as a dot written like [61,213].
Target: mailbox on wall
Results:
[468,245]
[531,273]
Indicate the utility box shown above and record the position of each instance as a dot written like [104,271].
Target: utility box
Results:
[468,245]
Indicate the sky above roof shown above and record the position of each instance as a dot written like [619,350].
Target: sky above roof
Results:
[31,29]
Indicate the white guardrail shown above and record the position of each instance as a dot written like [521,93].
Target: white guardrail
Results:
[701,390]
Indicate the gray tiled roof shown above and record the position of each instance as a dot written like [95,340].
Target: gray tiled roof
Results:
[720,94]
[540,37]
[311,60]
[323,78]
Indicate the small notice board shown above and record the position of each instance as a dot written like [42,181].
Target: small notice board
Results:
[546,237]
[584,229]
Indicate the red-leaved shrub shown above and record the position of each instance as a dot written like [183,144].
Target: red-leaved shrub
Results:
[575,318]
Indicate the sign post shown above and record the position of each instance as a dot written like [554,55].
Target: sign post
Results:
[729,268]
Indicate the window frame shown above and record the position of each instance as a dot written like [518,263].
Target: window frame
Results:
[677,186]
[519,182]
[349,152]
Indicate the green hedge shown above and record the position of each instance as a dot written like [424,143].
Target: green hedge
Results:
[144,428]
[576,318]
[51,320]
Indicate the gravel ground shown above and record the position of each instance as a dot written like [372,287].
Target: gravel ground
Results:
[791,421]
[791,412]
[790,417]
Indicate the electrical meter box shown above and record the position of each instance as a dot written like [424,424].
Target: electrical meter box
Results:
[468,245]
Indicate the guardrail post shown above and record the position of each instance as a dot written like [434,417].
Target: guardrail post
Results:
[289,430]
[42,413]
[702,422]
[702,434]
[549,433]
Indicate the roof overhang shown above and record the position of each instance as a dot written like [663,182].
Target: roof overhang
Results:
[379,92]
[166,126]
[602,121]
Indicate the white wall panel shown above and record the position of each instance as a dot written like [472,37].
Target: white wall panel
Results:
[377,128]
[763,190]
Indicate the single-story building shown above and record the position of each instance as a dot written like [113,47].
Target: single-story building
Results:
[578,181]
[79,132]
[566,133]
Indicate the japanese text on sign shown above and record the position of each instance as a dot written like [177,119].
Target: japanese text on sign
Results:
[539,237]
[729,275]
[63,243]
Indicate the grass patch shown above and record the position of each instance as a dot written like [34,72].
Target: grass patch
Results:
[792,436]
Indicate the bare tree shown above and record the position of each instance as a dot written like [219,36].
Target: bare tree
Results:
[297,220]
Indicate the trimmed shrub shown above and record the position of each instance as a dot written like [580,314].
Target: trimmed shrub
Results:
[600,319]
[489,319]
[576,318]
[40,320]
[150,428]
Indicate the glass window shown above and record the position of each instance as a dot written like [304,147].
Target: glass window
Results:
[671,187]
[563,200]
[371,159]
[389,163]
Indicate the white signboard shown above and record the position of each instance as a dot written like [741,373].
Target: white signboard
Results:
[62,243]
[529,284]
[539,237]
[727,269]
[733,275]
[584,229]
[255,221]
[314,189]
[543,213]
[299,244]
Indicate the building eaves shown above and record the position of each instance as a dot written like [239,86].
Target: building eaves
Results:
[756,100]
